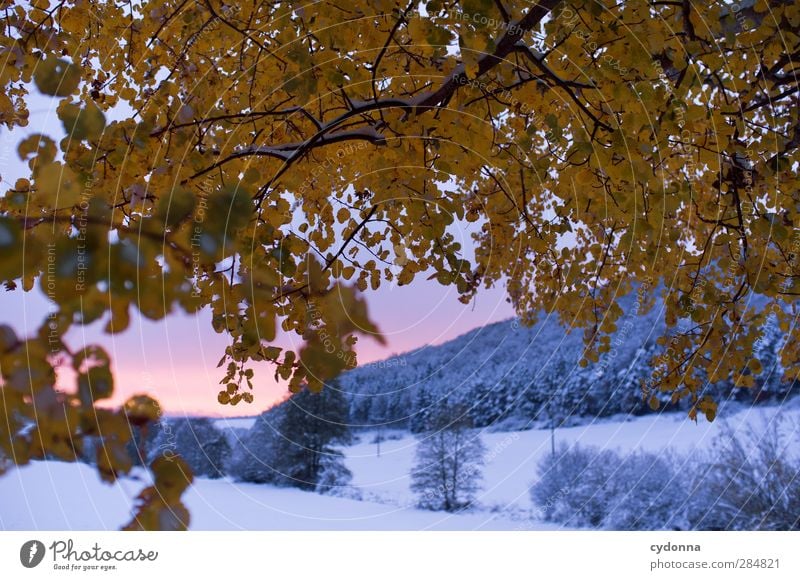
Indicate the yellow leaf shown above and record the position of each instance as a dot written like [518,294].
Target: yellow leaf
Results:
[56,76]
[57,186]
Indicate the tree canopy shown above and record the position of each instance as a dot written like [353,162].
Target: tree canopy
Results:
[272,161]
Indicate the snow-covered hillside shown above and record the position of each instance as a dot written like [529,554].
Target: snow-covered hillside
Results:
[60,496]
[528,376]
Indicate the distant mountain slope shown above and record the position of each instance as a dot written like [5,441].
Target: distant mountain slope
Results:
[528,375]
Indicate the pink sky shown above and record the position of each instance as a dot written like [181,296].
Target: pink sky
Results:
[175,359]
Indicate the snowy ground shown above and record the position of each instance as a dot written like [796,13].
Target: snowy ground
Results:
[61,496]
[512,457]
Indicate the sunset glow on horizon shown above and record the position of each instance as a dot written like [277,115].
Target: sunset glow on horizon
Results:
[175,360]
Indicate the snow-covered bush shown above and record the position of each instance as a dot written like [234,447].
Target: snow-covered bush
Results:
[575,486]
[587,487]
[646,494]
[204,447]
[749,481]
[254,455]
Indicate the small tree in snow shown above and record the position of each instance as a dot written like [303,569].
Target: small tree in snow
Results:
[447,469]
[334,478]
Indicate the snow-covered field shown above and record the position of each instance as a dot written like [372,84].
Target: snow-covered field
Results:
[61,496]
[512,457]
